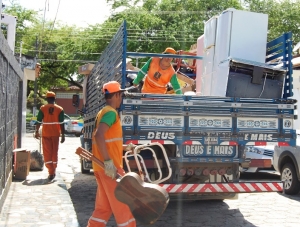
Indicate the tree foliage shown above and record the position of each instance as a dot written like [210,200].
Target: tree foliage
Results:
[152,26]
[25,19]
[283,16]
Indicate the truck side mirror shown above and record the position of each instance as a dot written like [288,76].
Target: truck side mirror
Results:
[75,100]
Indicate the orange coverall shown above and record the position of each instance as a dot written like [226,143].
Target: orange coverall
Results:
[106,203]
[49,114]
[156,79]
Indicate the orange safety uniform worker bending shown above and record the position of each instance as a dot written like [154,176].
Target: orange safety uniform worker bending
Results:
[52,117]
[159,72]
[108,147]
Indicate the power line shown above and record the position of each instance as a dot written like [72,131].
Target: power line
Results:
[53,21]
[167,12]
[158,35]
[44,19]
[114,30]
[129,40]
[66,60]
[139,37]
[60,52]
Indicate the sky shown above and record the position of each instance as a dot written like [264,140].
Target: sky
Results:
[71,12]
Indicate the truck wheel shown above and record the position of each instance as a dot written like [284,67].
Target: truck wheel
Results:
[84,171]
[289,177]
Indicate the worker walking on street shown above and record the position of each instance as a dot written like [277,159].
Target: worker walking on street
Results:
[108,147]
[51,116]
[159,72]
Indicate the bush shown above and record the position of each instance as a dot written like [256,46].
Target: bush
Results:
[28,117]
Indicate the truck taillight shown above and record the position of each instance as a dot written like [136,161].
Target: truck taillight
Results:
[198,172]
[206,172]
[213,172]
[222,171]
[190,172]
[229,171]
[182,172]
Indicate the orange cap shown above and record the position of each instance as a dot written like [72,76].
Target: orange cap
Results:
[169,50]
[112,87]
[50,94]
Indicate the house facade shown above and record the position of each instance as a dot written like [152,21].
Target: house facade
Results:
[64,98]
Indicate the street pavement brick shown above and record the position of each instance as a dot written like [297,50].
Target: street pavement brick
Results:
[36,201]
[69,202]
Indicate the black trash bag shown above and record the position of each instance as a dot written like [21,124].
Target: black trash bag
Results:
[36,160]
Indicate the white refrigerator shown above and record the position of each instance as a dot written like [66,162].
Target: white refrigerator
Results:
[199,65]
[210,29]
[239,34]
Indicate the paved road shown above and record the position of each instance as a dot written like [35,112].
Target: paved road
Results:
[256,209]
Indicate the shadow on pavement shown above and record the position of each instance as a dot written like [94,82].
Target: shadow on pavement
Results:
[261,176]
[83,193]
[178,214]
[292,197]
[268,176]
[38,182]
[201,213]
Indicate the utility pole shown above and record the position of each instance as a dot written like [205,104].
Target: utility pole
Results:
[1,6]
[20,56]
[35,79]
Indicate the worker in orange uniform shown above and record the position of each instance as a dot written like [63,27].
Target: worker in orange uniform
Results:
[108,147]
[159,72]
[51,116]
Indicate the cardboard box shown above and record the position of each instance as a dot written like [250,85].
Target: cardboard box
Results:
[85,69]
[186,83]
[21,163]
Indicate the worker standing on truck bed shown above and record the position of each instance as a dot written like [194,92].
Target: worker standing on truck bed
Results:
[107,145]
[159,72]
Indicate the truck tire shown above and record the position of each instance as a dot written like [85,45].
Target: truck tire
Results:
[289,177]
[84,171]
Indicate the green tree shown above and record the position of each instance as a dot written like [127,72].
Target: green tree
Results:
[56,46]
[25,19]
[283,16]
[154,25]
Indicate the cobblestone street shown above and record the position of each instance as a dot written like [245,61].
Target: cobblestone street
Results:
[70,201]
[256,209]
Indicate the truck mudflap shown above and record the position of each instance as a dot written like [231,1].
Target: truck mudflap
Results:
[244,187]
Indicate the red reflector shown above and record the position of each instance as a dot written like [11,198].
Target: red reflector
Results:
[232,143]
[132,141]
[260,163]
[282,144]
[261,143]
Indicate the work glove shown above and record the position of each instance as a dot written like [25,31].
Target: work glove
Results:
[110,169]
[130,147]
[62,138]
